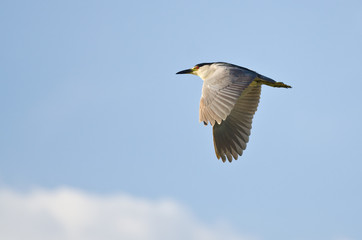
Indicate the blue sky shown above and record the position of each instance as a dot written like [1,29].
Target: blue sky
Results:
[92,107]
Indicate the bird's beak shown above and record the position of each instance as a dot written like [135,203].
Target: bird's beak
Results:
[187,71]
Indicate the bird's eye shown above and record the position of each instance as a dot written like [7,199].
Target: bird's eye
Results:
[196,67]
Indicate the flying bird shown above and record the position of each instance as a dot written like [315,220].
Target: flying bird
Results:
[229,100]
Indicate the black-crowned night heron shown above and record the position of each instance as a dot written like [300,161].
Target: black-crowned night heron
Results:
[230,97]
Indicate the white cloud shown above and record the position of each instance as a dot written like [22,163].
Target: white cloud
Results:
[69,214]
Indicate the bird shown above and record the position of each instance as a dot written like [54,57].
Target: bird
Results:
[229,100]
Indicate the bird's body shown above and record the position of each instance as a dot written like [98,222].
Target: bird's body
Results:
[229,100]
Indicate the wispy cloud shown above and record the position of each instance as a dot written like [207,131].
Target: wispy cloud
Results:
[66,213]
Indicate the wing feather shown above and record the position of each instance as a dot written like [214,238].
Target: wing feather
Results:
[232,134]
[221,92]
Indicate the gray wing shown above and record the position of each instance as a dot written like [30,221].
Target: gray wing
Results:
[220,94]
[232,135]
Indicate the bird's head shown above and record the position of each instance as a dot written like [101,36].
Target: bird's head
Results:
[201,70]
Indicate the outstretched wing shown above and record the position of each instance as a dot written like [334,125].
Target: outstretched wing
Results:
[220,93]
[232,134]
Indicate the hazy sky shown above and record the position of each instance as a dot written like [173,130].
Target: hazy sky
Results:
[99,139]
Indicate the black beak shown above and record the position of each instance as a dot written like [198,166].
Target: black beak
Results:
[185,71]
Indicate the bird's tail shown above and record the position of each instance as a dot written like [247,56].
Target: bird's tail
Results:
[270,82]
[279,85]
